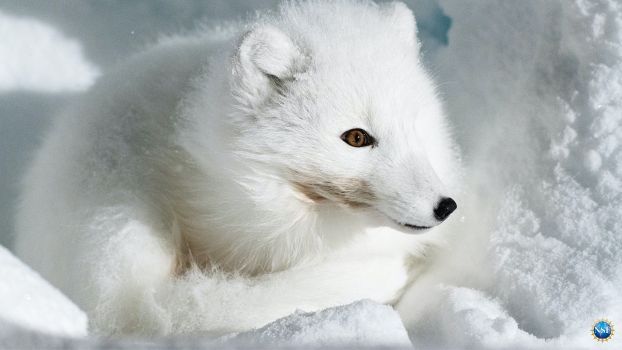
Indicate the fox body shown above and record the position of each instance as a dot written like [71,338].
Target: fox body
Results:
[220,180]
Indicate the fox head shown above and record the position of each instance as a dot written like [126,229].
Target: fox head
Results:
[344,112]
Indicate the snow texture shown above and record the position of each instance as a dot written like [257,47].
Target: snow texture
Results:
[27,300]
[34,56]
[534,89]
[364,323]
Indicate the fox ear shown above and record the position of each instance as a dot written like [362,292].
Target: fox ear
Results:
[403,19]
[266,58]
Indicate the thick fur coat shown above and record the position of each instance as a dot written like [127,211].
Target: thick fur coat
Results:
[213,182]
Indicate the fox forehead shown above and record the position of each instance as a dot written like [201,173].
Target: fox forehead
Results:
[378,103]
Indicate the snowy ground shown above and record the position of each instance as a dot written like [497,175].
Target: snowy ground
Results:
[534,89]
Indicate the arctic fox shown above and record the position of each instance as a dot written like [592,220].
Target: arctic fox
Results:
[221,180]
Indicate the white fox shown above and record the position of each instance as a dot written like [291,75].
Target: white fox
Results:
[221,180]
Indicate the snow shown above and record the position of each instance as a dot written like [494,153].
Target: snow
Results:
[36,57]
[28,301]
[534,90]
[363,323]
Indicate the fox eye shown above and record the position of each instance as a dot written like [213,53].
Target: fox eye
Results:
[358,138]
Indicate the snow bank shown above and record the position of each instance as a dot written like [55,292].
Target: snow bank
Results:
[535,91]
[29,302]
[34,56]
[363,323]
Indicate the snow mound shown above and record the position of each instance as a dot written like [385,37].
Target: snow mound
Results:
[34,56]
[470,319]
[27,301]
[363,323]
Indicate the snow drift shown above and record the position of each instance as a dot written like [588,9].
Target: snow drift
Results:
[363,324]
[27,301]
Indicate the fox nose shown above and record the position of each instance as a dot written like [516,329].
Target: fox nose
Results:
[445,207]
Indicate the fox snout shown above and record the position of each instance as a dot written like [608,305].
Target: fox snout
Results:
[445,207]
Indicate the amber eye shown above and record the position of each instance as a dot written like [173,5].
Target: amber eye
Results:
[358,138]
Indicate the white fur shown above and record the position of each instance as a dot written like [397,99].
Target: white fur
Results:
[189,152]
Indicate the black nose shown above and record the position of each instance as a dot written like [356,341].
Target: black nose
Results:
[445,207]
